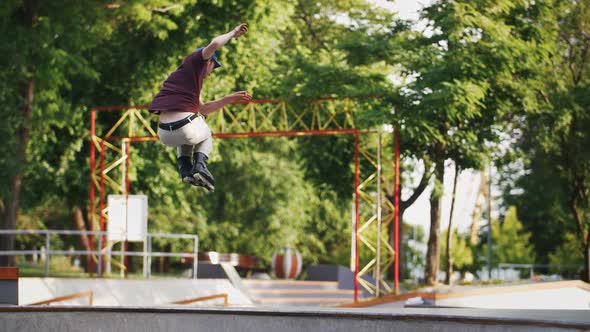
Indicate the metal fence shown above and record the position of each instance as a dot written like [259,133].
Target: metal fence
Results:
[568,270]
[147,252]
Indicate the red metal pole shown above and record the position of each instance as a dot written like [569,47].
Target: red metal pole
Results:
[91,208]
[255,101]
[101,197]
[356,215]
[396,215]
[127,186]
[289,133]
[280,133]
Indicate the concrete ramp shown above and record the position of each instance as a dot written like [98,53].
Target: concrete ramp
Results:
[116,292]
[53,318]
[561,295]
[297,293]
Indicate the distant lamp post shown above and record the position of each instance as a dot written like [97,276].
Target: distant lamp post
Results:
[490,222]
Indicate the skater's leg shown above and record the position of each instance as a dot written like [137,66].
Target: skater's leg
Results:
[200,157]
[200,171]
[197,134]
[184,164]
[202,139]
[184,150]
[205,147]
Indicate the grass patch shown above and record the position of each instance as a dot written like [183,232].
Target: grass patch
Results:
[38,271]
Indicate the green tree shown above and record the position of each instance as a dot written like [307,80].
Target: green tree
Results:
[540,194]
[412,259]
[321,58]
[461,85]
[77,55]
[111,54]
[567,253]
[510,243]
[449,243]
[44,43]
[566,121]
[555,132]
[461,253]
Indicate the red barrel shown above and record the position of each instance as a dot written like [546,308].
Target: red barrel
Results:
[286,263]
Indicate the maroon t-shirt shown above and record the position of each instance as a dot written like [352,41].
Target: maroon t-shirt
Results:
[181,90]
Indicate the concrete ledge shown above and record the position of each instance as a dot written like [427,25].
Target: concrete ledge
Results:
[8,273]
[126,292]
[540,295]
[263,319]
[8,286]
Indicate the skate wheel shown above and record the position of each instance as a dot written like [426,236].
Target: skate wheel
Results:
[204,183]
[188,180]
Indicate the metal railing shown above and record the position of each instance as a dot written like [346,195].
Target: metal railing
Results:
[147,253]
[89,294]
[531,267]
[223,296]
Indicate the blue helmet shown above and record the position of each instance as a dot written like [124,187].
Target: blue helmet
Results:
[213,57]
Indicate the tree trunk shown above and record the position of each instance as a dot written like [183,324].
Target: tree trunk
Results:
[11,210]
[403,206]
[584,237]
[81,226]
[587,257]
[220,209]
[482,194]
[450,230]
[433,251]
[586,272]
[29,19]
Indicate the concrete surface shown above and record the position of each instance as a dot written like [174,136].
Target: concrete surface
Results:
[560,295]
[297,293]
[116,292]
[36,318]
[561,298]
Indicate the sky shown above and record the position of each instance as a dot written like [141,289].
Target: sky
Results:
[469,180]
[407,9]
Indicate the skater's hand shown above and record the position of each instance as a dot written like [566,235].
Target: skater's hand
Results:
[240,30]
[241,97]
[219,41]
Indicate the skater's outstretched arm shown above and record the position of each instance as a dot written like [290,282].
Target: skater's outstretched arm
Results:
[241,97]
[219,41]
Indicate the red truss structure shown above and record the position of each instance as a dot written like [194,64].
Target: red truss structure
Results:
[372,253]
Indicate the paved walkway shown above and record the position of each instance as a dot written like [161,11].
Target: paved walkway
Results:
[53,318]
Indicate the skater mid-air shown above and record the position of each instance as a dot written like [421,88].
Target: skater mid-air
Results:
[182,113]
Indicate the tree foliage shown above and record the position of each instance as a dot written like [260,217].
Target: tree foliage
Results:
[510,243]
[460,87]
[271,193]
[554,138]
[461,252]
[480,73]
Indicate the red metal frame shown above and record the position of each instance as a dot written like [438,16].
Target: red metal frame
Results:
[255,101]
[396,216]
[290,133]
[356,215]
[279,133]
[101,196]
[127,187]
[90,212]
[286,133]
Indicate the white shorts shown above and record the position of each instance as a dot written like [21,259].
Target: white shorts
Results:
[194,136]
